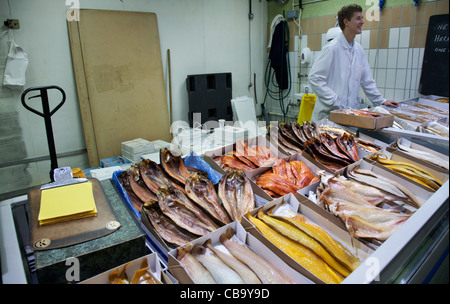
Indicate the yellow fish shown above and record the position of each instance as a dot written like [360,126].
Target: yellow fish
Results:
[302,255]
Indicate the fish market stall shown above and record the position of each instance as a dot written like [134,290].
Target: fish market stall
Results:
[405,252]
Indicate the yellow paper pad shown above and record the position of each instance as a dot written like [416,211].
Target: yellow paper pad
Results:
[67,203]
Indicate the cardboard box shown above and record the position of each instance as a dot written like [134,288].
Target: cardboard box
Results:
[246,238]
[152,261]
[370,123]
[401,158]
[323,219]
[409,144]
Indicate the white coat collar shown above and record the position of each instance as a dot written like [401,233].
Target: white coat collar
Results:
[344,41]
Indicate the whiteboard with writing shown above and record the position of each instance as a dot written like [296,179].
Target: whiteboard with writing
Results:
[435,68]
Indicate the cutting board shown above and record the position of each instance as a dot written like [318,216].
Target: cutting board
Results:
[120,81]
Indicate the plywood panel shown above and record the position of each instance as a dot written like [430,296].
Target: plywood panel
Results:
[124,81]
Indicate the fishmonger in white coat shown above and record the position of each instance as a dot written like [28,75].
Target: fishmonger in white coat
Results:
[342,67]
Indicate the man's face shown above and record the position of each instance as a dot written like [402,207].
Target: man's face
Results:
[355,23]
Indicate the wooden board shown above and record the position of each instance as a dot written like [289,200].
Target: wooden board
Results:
[120,82]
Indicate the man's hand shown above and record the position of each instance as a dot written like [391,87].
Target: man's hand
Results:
[391,103]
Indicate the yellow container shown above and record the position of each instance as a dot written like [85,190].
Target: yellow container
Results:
[306,108]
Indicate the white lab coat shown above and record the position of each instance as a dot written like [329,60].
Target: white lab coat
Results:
[336,75]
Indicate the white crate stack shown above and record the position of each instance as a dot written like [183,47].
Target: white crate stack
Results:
[134,149]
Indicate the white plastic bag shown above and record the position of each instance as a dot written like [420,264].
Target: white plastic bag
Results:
[16,66]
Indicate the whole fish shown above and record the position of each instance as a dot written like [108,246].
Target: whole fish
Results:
[265,271]
[260,156]
[201,190]
[318,149]
[360,227]
[329,142]
[167,229]
[376,180]
[154,176]
[335,248]
[174,165]
[247,275]
[276,183]
[236,193]
[386,222]
[371,194]
[310,262]
[287,133]
[297,252]
[139,188]
[221,273]
[231,161]
[196,271]
[174,204]
[135,200]
[346,143]
[410,170]
[287,144]
[298,131]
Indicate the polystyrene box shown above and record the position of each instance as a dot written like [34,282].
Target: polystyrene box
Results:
[137,146]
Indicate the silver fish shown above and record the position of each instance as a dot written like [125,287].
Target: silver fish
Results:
[265,271]
[247,275]
[196,271]
[221,273]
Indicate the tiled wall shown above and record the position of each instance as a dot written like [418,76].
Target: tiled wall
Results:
[394,46]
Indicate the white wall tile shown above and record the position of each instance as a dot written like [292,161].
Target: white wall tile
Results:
[324,39]
[380,78]
[365,39]
[399,95]
[371,58]
[404,37]
[400,79]
[392,58]
[394,37]
[389,93]
[382,58]
[402,59]
[390,78]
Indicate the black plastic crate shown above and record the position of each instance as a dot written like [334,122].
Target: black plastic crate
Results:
[210,97]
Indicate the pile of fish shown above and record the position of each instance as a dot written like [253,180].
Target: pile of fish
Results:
[434,127]
[236,264]
[409,170]
[247,158]
[286,177]
[423,155]
[308,244]
[359,112]
[370,205]
[181,203]
[418,112]
[335,148]
[143,275]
